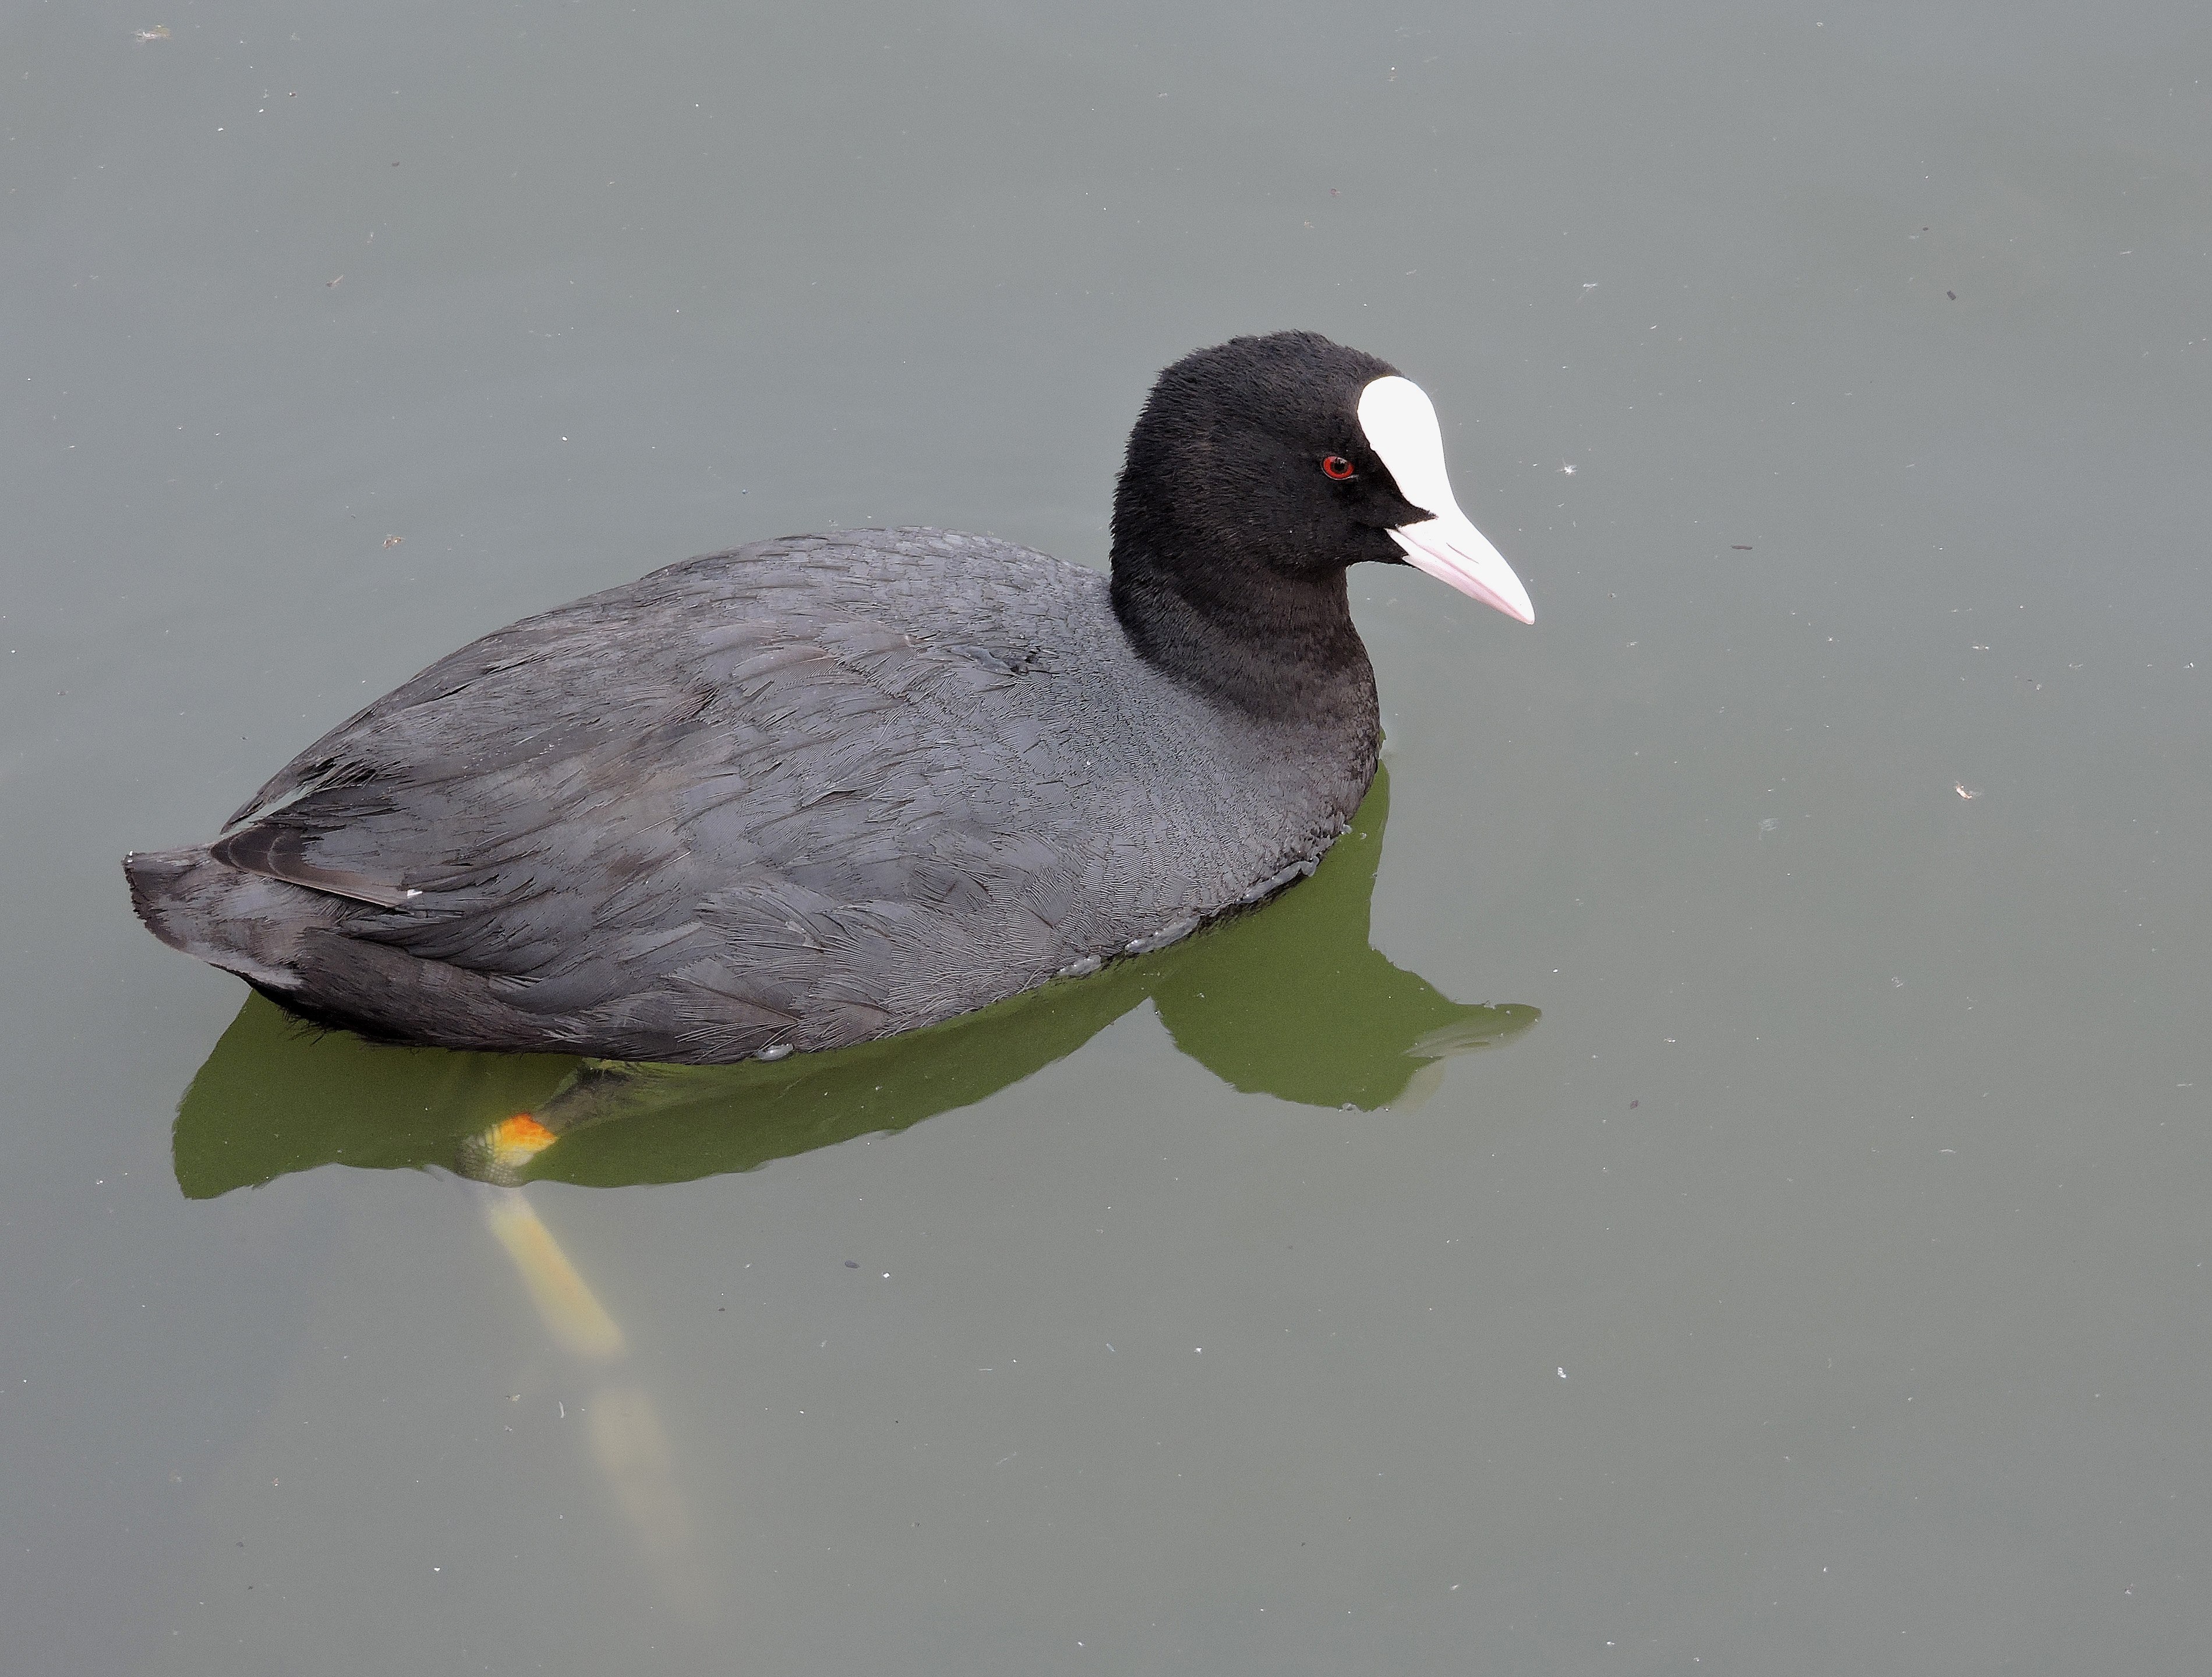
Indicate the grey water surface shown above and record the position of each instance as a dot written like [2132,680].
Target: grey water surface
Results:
[1718,1183]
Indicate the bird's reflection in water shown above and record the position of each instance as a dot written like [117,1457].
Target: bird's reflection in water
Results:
[1289,1000]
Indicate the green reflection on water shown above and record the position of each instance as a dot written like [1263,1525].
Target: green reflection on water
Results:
[1289,1000]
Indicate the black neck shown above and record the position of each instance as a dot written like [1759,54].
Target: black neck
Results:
[1281,648]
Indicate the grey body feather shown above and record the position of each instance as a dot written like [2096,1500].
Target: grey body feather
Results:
[795,796]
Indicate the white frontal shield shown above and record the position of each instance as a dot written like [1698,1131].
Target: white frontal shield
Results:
[1400,423]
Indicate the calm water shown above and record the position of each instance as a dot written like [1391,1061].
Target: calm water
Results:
[1710,1177]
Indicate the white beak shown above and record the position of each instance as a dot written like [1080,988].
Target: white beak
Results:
[1400,423]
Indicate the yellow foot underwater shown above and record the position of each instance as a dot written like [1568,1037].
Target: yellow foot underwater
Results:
[500,1154]
[572,1313]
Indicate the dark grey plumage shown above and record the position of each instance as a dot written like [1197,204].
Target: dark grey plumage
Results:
[795,796]
[823,789]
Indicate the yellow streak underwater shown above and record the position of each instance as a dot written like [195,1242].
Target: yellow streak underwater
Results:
[574,1317]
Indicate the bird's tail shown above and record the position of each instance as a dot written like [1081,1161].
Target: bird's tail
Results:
[242,922]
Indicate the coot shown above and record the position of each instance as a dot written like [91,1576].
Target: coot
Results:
[825,788]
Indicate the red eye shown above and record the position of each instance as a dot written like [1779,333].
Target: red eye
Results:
[1336,466]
